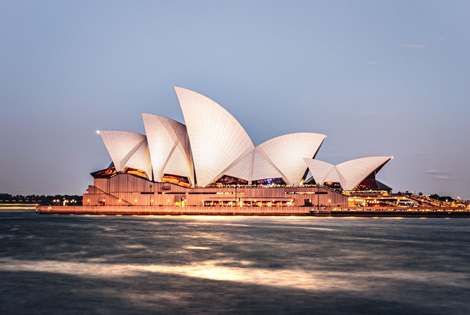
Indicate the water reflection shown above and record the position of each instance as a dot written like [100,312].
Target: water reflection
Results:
[197,247]
[240,271]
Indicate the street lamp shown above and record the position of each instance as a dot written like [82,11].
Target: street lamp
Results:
[236,200]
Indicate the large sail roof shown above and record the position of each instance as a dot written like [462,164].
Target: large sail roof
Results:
[213,144]
[168,145]
[127,148]
[217,139]
[349,174]
[286,153]
[355,171]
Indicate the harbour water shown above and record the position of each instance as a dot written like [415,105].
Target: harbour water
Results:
[69,264]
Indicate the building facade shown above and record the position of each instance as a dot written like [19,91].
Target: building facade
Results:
[210,161]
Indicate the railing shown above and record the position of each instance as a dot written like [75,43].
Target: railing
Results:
[259,211]
[166,210]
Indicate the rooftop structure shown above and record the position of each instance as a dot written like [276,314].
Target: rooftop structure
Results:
[212,150]
[348,174]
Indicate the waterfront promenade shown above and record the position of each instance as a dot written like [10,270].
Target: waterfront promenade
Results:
[258,211]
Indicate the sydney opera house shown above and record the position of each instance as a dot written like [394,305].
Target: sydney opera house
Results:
[211,161]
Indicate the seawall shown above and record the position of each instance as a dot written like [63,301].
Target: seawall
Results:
[255,211]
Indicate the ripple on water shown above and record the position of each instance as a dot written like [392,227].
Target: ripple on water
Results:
[180,264]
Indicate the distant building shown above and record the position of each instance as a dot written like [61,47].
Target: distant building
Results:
[211,161]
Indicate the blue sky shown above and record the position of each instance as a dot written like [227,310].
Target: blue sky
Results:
[378,77]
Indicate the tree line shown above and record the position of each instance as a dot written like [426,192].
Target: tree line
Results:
[72,200]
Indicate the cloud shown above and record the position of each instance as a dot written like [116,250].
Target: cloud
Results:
[438,175]
[414,46]
[372,62]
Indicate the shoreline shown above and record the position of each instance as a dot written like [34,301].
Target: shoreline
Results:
[249,211]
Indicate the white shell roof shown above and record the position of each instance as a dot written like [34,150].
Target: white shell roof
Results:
[349,174]
[242,168]
[263,169]
[287,152]
[213,144]
[251,167]
[121,145]
[320,171]
[127,149]
[168,145]
[355,171]
[141,159]
[281,157]
[217,138]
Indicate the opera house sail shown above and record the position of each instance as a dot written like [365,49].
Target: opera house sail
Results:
[217,138]
[210,160]
[348,174]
